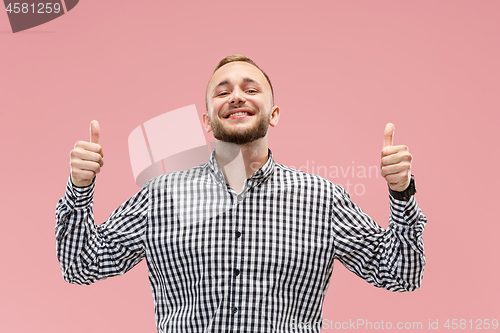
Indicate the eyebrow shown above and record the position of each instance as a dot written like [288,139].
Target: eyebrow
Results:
[246,80]
[249,80]
[222,83]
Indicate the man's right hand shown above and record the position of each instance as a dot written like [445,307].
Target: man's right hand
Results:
[86,159]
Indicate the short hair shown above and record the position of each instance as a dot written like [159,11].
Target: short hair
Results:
[241,57]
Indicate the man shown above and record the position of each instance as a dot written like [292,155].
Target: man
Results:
[241,243]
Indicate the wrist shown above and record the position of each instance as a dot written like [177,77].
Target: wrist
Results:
[81,183]
[407,193]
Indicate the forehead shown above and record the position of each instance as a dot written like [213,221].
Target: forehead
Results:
[236,72]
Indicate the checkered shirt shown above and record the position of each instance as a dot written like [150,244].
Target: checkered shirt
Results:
[258,261]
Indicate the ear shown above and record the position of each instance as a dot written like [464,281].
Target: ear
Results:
[275,116]
[206,122]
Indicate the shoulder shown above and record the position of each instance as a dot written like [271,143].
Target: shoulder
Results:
[197,173]
[296,177]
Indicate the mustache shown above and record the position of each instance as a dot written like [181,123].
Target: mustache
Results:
[241,107]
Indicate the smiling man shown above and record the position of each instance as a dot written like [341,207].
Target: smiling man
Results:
[240,243]
[238,82]
[239,112]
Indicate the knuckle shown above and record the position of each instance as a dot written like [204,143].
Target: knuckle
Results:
[73,153]
[75,163]
[96,148]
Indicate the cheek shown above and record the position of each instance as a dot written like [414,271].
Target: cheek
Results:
[215,106]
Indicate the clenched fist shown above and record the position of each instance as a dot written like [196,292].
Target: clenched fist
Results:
[86,159]
[395,165]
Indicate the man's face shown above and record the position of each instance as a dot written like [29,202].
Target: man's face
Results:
[239,104]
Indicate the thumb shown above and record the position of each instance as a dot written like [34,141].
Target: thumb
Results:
[95,132]
[388,134]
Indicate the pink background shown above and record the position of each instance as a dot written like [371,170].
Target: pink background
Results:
[341,70]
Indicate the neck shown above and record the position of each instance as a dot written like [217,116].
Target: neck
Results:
[239,162]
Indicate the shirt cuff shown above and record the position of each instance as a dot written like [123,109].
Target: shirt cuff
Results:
[79,197]
[405,212]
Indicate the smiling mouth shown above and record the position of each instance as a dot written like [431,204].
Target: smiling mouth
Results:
[238,114]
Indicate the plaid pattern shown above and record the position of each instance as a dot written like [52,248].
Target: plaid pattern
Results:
[259,261]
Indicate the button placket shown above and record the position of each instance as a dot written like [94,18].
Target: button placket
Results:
[235,281]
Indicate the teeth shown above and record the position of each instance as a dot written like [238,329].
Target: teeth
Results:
[239,114]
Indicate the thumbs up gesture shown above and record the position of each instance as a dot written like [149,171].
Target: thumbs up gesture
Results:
[395,165]
[86,159]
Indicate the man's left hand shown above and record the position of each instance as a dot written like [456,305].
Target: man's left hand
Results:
[395,165]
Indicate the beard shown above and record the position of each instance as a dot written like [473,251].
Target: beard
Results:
[257,131]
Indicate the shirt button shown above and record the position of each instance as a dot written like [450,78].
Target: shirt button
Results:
[238,234]
[407,213]
[236,272]
[235,309]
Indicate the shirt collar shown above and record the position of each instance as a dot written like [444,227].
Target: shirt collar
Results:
[260,175]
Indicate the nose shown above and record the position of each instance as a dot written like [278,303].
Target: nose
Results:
[237,97]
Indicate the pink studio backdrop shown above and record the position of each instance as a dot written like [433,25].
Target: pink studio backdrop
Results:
[341,70]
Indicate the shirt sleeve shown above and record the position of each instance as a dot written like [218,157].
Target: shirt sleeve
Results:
[89,252]
[391,258]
